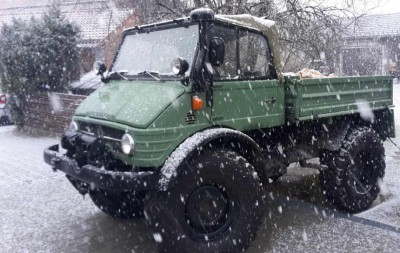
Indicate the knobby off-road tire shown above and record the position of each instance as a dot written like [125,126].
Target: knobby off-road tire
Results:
[123,205]
[273,179]
[351,179]
[216,206]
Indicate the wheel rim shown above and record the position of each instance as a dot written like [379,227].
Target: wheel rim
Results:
[363,171]
[209,212]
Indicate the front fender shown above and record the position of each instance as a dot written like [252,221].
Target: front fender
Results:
[236,140]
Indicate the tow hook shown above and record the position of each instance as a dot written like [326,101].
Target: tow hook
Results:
[82,188]
[54,161]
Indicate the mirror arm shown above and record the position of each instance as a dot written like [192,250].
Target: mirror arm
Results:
[105,79]
[185,80]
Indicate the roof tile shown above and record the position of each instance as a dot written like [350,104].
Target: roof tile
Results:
[376,25]
[95,18]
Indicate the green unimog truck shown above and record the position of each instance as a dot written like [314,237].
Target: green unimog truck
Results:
[195,118]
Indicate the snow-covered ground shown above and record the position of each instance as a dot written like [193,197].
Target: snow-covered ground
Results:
[40,211]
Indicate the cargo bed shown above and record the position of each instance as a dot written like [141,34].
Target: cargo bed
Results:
[319,98]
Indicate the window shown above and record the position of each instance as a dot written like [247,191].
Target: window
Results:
[253,52]
[154,51]
[246,54]
[229,69]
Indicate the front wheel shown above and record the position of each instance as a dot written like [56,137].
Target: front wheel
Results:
[352,176]
[216,206]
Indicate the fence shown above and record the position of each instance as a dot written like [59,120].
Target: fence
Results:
[50,113]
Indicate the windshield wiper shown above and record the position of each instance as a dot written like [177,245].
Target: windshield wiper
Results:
[152,74]
[120,74]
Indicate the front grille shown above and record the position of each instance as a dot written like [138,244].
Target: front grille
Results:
[190,118]
[100,131]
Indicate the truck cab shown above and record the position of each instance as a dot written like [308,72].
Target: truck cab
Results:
[195,118]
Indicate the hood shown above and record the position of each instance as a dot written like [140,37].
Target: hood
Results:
[134,103]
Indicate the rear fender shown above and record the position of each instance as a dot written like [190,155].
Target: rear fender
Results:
[384,123]
[332,135]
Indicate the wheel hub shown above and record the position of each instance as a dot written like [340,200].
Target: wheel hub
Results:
[362,173]
[208,211]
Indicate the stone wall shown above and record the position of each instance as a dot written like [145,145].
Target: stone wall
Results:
[50,113]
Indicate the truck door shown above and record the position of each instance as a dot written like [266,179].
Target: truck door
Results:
[245,94]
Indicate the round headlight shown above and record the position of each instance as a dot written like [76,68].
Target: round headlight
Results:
[176,66]
[127,144]
[99,67]
[73,126]
[179,66]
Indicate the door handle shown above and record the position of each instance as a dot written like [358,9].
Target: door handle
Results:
[270,101]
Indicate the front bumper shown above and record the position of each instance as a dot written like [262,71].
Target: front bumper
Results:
[100,178]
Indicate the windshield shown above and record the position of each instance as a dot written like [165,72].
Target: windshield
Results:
[155,51]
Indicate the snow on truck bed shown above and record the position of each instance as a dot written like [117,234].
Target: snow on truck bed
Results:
[309,74]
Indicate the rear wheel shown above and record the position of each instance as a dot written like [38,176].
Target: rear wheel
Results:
[216,206]
[273,179]
[119,205]
[351,179]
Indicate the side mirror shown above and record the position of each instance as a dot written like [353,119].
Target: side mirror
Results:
[99,67]
[179,66]
[217,52]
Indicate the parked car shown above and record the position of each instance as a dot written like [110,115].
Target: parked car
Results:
[5,112]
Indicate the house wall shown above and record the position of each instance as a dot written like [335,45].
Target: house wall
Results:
[393,56]
[359,57]
[88,57]
[368,56]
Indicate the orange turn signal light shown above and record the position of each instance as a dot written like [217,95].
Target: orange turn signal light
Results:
[197,103]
